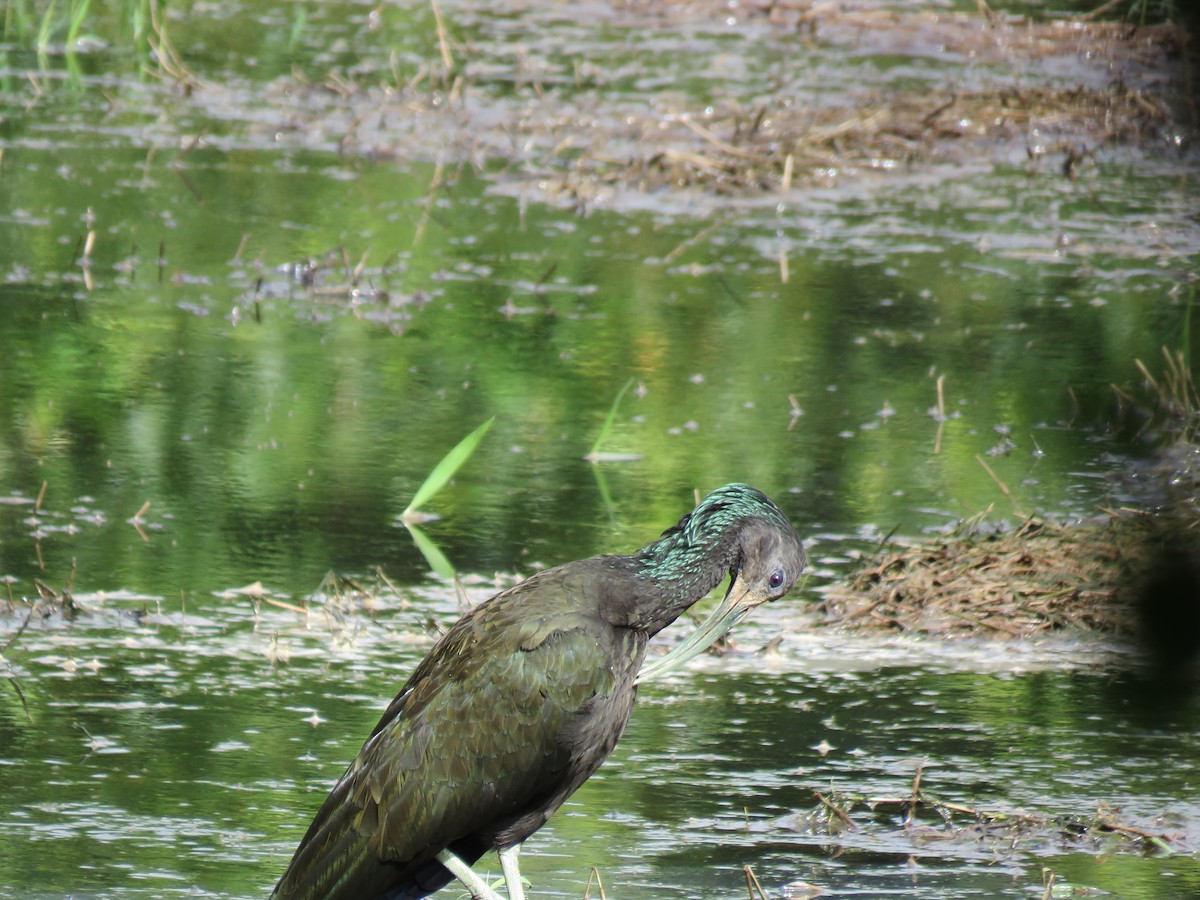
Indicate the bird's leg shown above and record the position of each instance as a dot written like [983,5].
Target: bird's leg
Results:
[467,876]
[512,872]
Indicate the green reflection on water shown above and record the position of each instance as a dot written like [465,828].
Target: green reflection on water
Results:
[277,429]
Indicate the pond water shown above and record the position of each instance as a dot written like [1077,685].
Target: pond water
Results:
[198,393]
[169,757]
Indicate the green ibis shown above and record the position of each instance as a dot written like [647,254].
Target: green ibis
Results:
[523,699]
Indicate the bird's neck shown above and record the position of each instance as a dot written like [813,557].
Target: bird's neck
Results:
[673,573]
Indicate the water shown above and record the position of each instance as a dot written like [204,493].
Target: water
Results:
[216,402]
[170,757]
[277,431]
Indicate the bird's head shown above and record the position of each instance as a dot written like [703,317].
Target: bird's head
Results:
[766,557]
[769,562]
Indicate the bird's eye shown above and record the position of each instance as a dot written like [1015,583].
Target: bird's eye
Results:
[776,579]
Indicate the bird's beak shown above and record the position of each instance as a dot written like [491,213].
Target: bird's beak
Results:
[738,601]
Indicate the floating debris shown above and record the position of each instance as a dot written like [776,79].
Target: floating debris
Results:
[1003,831]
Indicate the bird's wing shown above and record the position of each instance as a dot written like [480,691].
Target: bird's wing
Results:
[478,747]
[480,734]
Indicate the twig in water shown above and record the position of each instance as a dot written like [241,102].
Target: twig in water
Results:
[12,640]
[167,57]
[85,262]
[1048,880]
[716,141]
[1141,367]
[464,602]
[290,607]
[691,242]
[1099,11]
[587,890]
[752,884]
[427,208]
[137,521]
[12,679]
[795,413]
[358,270]
[1000,484]
[443,41]
[391,587]
[1158,840]
[914,798]
[941,414]
[836,810]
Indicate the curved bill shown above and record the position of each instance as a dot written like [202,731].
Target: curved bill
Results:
[737,602]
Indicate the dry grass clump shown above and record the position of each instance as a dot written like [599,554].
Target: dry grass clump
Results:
[1039,578]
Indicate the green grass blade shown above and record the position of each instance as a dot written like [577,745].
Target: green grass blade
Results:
[298,25]
[594,453]
[16,20]
[45,33]
[432,553]
[605,494]
[79,14]
[445,469]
